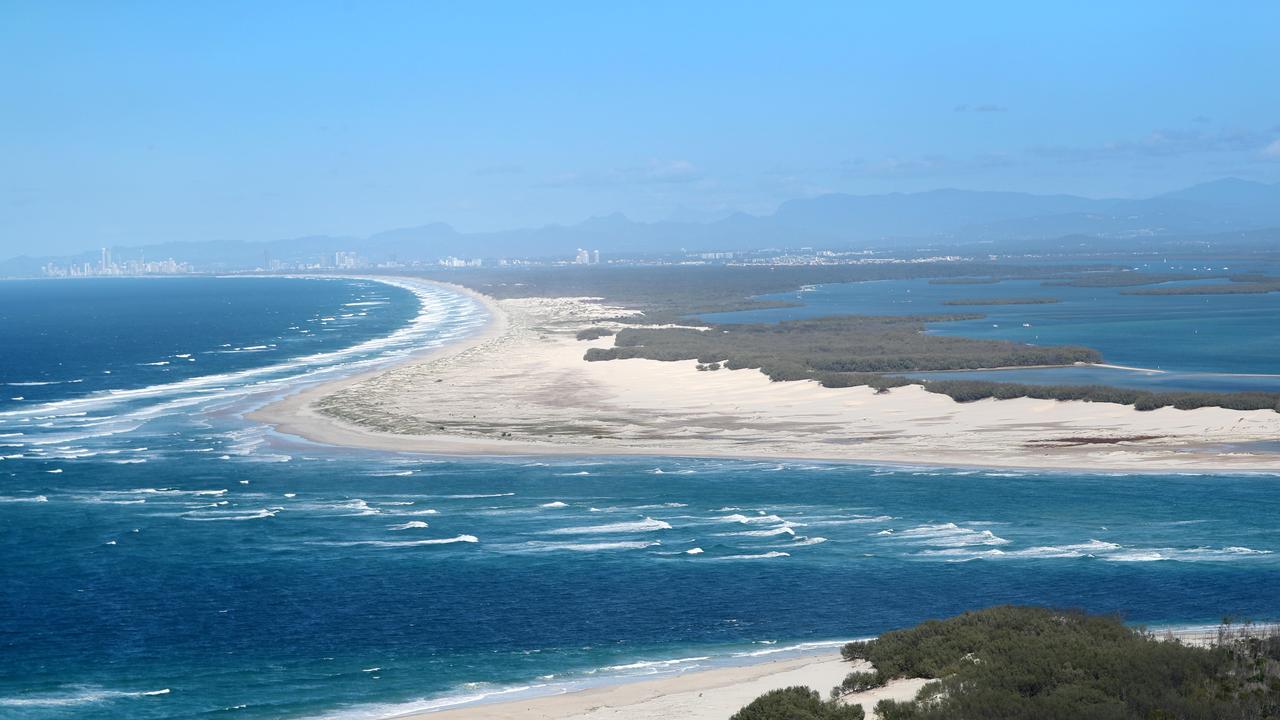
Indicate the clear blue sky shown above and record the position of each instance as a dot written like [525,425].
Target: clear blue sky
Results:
[137,122]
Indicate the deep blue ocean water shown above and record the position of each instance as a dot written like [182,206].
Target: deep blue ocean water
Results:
[166,558]
[111,334]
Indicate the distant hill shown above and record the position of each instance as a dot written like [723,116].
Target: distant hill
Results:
[892,221]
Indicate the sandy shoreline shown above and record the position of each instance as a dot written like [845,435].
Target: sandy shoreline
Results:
[294,414]
[521,387]
[702,695]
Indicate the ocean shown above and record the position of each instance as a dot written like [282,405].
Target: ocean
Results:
[165,557]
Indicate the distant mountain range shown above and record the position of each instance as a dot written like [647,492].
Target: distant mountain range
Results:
[902,221]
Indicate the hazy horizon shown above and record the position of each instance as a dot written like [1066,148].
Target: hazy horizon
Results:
[146,123]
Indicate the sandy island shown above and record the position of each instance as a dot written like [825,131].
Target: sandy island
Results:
[521,387]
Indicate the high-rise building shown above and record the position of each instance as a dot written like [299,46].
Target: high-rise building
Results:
[343,260]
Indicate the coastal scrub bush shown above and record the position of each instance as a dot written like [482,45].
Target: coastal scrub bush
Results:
[804,349]
[797,703]
[973,390]
[1024,663]
[594,333]
[856,682]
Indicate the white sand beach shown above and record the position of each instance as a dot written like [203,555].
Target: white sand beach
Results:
[702,695]
[521,386]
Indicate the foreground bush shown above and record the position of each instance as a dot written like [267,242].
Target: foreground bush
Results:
[797,703]
[1018,663]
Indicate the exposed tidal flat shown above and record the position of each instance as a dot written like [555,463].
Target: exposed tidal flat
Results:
[167,559]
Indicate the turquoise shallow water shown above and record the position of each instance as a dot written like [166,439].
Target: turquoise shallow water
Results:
[165,558]
[1197,342]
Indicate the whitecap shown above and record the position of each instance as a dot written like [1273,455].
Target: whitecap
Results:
[854,520]
[770,532]
[406,543]
[1199,554]
[257,515]
[761,556]
[33,498]
[475,497]
[76,695]
[411,525]
[646,525]
[747,519]
[556,504]
[537,546]
[948,535]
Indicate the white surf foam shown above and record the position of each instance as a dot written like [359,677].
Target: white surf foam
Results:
[537,546]
[770,532]
[474,497]
[76,695]
[24,499]
[646,525]
[411,525]
[655,665]
[424,330]
[258,515]
[760,556]
[948,535]
[405,543]
[749,519]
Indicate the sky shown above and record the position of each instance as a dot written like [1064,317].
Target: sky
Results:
[125,123]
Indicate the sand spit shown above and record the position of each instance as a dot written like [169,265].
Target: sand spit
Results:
[521,387]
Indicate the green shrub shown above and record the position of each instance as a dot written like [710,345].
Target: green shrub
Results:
[856,682]
[797,703]
[594,333]
[1019,663]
